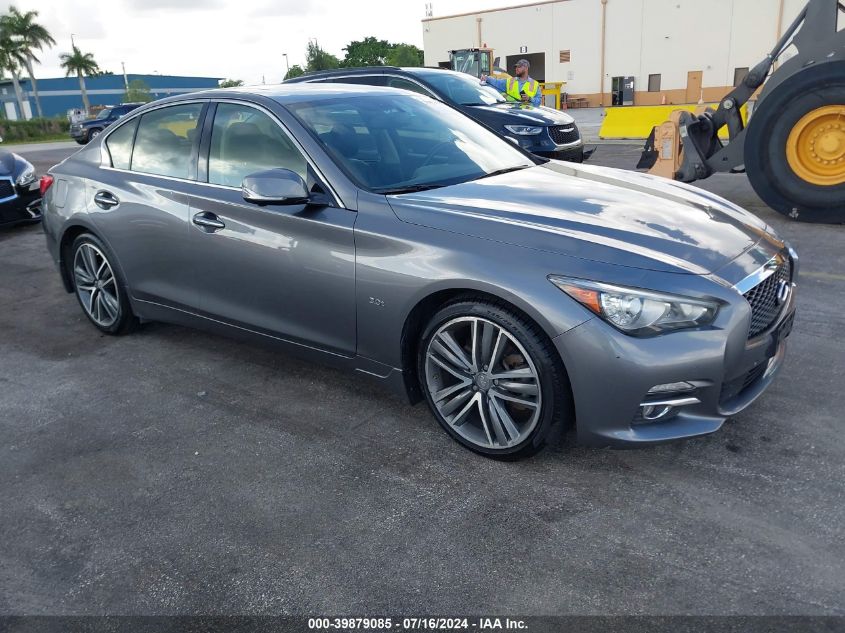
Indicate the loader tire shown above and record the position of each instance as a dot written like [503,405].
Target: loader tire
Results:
[795,146]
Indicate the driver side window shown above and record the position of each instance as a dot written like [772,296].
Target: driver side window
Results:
[245,140]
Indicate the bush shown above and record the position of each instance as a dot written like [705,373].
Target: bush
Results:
[34,129]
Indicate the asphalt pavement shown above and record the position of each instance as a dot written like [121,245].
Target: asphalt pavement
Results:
[175,472]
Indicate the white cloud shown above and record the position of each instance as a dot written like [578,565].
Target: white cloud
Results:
[239,39]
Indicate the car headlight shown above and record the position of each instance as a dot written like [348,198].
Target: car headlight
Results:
[27,176]
[635,311]
[523,130]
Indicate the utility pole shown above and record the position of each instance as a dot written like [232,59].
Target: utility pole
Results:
[125,78]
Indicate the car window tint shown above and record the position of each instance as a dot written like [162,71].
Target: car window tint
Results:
[406,84]
[245,140]
[119,144]
[166,140]
[364,80]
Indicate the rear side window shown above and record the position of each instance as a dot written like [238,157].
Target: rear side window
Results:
[365,80]
[119,144]
[406,84]
[166,142]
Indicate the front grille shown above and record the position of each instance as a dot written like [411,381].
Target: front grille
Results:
[763,299]
[564,134]
[7,189]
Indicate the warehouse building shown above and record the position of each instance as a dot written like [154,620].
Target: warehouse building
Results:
[62,94]
[623,52]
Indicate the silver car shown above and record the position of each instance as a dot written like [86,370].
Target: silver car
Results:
[385,232]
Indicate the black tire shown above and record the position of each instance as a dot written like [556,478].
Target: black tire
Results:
[765,150]
[555,393]
[92,134]
[81,142]
[125,321]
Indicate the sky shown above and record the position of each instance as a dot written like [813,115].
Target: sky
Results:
[243,39]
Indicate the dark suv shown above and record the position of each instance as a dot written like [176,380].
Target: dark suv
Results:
[540,130]
[84,131]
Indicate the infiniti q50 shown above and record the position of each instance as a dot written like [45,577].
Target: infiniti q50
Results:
[385,232]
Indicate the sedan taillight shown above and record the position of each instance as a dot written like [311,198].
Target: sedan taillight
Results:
[44,184]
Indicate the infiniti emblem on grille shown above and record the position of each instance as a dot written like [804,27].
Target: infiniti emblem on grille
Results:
[783,292]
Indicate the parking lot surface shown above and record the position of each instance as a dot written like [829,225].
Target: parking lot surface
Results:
[172,471]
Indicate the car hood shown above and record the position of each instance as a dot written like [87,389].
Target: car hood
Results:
[594,213]
[517,113]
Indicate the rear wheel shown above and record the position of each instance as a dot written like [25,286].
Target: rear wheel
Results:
[98,286]
[795,146]
[492,379]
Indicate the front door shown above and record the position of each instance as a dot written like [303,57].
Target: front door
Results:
[694,78]
[283,270]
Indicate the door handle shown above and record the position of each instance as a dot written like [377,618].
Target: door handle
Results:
[208,222]
[105,200]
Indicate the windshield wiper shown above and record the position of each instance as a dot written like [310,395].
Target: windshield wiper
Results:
[407,189]
[506,170]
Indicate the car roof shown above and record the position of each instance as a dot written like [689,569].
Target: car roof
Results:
[418,71]
[288,92]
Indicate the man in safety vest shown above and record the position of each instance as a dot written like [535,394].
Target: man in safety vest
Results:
[521,87]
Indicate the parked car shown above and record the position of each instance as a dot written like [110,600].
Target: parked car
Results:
[84,131]
[19,191]
[385,232]
[540,130]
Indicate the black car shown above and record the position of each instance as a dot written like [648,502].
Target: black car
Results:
[20,196]
[540,130]
[84,131]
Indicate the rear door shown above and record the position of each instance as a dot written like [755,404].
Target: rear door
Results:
[140,201]
[286,271]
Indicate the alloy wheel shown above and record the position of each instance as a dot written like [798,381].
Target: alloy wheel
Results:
[96,285]
[483,382]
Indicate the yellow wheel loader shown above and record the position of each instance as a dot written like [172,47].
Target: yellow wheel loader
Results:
[793,147]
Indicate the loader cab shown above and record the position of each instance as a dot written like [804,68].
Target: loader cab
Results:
[472,61]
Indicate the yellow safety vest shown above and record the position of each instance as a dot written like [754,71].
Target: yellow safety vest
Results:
[530,87]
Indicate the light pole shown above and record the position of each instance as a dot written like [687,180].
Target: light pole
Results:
[287,63]
[125,78]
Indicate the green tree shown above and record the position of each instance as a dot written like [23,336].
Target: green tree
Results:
[318,59]
[404,55]
[231,83]
[80,64]
[31,36]
[295,71]
[138,91]
[11,59]
[366,52]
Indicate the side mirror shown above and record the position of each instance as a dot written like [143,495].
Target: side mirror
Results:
[275,186]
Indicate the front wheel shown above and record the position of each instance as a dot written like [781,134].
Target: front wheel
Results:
[92,134]
[99,287]
[492,379]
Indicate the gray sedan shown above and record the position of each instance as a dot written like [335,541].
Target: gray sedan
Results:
[384,232]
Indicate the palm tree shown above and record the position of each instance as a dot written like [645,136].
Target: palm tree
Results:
[82,64]
[11,60]
[30,37]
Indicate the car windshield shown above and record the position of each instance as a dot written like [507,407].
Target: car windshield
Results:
[463,89]
[392,143]
[104,113]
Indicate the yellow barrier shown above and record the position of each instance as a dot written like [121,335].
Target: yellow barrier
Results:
[637,121]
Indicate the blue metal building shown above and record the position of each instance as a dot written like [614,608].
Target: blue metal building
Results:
[61,94]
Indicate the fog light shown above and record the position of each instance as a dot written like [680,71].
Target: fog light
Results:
[653,412]
[672,387]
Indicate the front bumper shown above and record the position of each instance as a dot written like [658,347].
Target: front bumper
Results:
[611,374]
[79,134]
[24,207]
